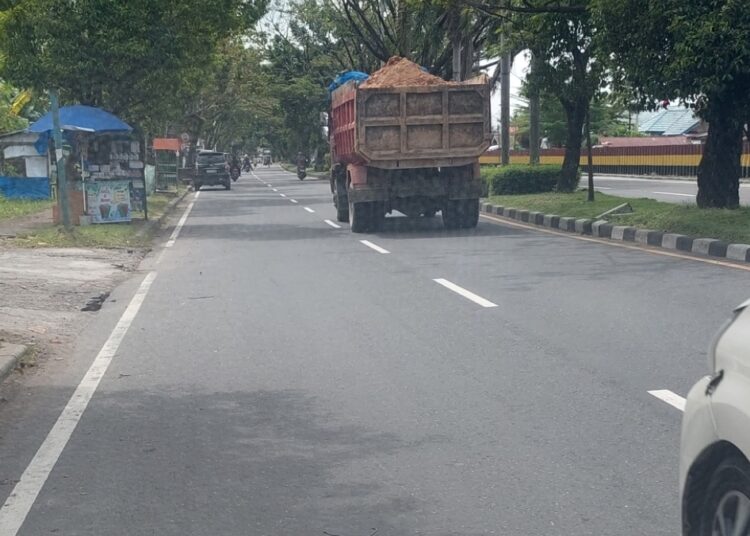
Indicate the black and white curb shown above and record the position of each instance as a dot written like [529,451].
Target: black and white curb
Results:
[603,229]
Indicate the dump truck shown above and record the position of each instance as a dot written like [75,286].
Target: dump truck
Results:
[412,148]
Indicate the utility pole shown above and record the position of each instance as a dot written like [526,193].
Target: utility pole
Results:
[534,111]
[590,165]
[505,107]
[62,179]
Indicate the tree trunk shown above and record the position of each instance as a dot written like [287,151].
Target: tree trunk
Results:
[575,115]
[457,41]
[505,108]
[534,118]
[467,60]
[534,104]
[589,157]
[720,169]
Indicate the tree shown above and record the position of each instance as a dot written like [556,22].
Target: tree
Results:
[432,33]
[697,52]
[129,57]
[560,35]
[8,120]
[568,67]
[608,118]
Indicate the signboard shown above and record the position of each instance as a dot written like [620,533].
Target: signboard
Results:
[108,201]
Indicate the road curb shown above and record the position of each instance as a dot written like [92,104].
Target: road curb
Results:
[705,247]
[151,224]
[10,355]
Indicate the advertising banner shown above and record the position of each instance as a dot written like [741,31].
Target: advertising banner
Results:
[108,201]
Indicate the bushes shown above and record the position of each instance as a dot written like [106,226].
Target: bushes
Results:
[519,179]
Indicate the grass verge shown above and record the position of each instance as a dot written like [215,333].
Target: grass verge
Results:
[727,225]
[14,208]
[111,235]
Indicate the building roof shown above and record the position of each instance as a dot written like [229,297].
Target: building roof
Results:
[670,122]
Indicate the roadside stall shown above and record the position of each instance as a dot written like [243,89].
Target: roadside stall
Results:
[104,165]
[166,162]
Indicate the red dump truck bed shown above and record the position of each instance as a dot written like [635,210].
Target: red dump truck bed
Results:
[407,141]
[410,126]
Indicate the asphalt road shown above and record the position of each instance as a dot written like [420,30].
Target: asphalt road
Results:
[280,377]
[668,190]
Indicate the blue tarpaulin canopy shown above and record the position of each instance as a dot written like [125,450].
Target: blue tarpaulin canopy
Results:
[82,118]
[78,118]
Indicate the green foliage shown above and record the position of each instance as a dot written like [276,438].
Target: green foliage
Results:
[131,58]
[521,179]
[608,118]
[8,121]
[565,63]
[697,52]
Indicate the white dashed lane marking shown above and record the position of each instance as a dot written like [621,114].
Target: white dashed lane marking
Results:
[673,399]
[465,293]
[374,246]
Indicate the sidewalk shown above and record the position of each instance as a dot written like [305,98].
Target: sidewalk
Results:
[48,295]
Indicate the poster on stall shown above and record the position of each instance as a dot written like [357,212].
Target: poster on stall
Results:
[108,201]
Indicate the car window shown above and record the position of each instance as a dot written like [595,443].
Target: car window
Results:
[207,159]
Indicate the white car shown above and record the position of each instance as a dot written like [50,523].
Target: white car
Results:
[715,445]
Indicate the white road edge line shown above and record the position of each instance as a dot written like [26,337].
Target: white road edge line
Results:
[332,224]
[673,399]
[183,219]
[465,293]
[24,494]
[311,211]
[294,201]
[602,188]
[674,193]
[374,246]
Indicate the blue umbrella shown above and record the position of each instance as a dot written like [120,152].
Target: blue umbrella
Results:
[82,118]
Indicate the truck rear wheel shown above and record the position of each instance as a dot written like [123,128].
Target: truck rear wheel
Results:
[461,213]
[342,211]
[340,197]
[469,213]
[360,217]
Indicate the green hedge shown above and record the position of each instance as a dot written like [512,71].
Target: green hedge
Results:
[519,179]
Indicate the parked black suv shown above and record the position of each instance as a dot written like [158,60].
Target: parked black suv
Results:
[211,169]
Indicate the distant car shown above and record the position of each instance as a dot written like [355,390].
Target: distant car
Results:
[211,169]
[715,444]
